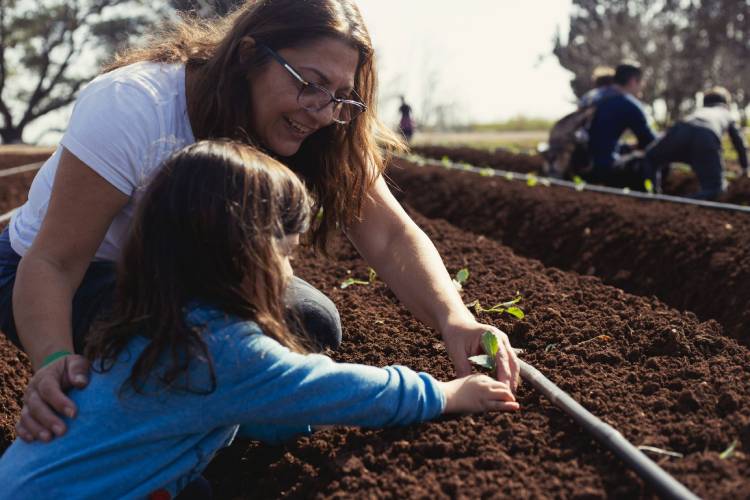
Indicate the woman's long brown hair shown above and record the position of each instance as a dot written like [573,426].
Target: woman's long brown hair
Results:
[207,231]
[339,163]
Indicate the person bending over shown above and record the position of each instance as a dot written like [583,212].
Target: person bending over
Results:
[696,140]
[618,110]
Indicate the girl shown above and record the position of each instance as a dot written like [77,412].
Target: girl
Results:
[198,344]
[298,79]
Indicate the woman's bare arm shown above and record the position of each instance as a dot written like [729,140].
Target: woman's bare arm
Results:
[82,207]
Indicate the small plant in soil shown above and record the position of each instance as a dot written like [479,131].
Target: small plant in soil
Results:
[461,277]
[726,454]
[490,345]
[503,307]
[372,276]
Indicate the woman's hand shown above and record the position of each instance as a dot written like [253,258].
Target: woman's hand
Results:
[465,339]
[45,398]
[477,393]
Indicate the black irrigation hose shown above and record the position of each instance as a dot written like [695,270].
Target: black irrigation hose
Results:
[549,181]
[660,480]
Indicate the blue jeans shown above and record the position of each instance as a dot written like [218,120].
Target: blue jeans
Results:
[316,315]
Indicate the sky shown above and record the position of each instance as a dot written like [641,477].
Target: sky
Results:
[486,60]
[492,58]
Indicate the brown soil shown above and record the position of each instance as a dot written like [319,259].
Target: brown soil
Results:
[679,183]
[15,155]
[691,258]
[661,377]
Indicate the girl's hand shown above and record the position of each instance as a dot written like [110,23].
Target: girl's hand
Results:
[465,339]
[45,398]
[478,393]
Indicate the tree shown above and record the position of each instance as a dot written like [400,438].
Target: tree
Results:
[50,48]
[683,45]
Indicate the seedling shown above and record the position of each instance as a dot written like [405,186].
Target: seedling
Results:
[729,451]
[503,307]
[579,182]
[531,180]
[372,276]
[447,161]
[490,345]
[319,215]
[486,172]
[649,185]
[461,277]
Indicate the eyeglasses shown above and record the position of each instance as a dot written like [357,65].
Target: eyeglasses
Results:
[314,98]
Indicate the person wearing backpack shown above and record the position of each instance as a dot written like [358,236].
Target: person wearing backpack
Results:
[619,110]
[696,140]
[603,78]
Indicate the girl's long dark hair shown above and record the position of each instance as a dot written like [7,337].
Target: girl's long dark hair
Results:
[207,229]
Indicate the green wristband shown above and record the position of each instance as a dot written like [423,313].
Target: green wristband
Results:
[54,357]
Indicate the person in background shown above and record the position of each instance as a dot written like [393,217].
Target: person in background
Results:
[198,345]
[618,110]
[696,140]
[406,125]
[603,78]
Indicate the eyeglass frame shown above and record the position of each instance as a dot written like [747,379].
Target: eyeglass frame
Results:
[305,84]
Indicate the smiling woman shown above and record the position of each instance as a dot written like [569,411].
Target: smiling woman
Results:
[294,78]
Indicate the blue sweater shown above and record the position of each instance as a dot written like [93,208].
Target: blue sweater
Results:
[615,113]
[130,446]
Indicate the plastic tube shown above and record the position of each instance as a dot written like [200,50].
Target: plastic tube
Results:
[19,170]
[658,478]
[549,181]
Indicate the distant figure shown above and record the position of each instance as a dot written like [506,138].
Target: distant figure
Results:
[618,109]
[696,140]
[406,125]
[603,77]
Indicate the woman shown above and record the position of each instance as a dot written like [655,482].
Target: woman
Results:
[295,78]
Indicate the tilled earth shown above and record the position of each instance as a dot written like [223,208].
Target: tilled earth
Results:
[660,376]
[691,258]
[678,183]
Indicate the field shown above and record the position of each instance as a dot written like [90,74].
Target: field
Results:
[637,309]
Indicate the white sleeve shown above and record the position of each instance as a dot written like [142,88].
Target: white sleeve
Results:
[112,129]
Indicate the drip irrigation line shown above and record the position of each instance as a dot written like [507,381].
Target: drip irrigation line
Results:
[658,478]
[19,170]
[550,181]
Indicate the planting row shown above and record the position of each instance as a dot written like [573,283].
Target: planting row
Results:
[661,377]
[679,183]
[691,258]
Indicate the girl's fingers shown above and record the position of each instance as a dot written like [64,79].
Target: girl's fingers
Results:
[502,394]
[503,406]
[44,416]
[29,427]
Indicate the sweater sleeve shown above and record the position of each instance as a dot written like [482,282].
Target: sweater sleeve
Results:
[261,383]
[640,127]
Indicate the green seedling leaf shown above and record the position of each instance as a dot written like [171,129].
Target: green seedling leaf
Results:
[462,275]
[510,302]
[372,275]
[515,311]
[578,180]
[351,281]
[490,344]
[446,161]
[487,172]
[649,185]
[729,451]
[484,361]
[319,215]
[531,180]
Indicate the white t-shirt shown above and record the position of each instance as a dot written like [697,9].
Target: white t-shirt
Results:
[124,125]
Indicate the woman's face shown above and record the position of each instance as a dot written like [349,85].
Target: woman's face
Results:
[278,120]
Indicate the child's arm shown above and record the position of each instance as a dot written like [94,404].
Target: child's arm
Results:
[261,383]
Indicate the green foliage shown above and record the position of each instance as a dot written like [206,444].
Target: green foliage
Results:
[490,345]
[649,186]
[461,277]
[532,180]
[503,307]
[729,451]
[371,277]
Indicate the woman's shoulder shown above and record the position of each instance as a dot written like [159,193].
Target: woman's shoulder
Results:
[147,79]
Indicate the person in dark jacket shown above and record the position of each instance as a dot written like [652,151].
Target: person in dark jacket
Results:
[603,78]
[696,140]
[617,110]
